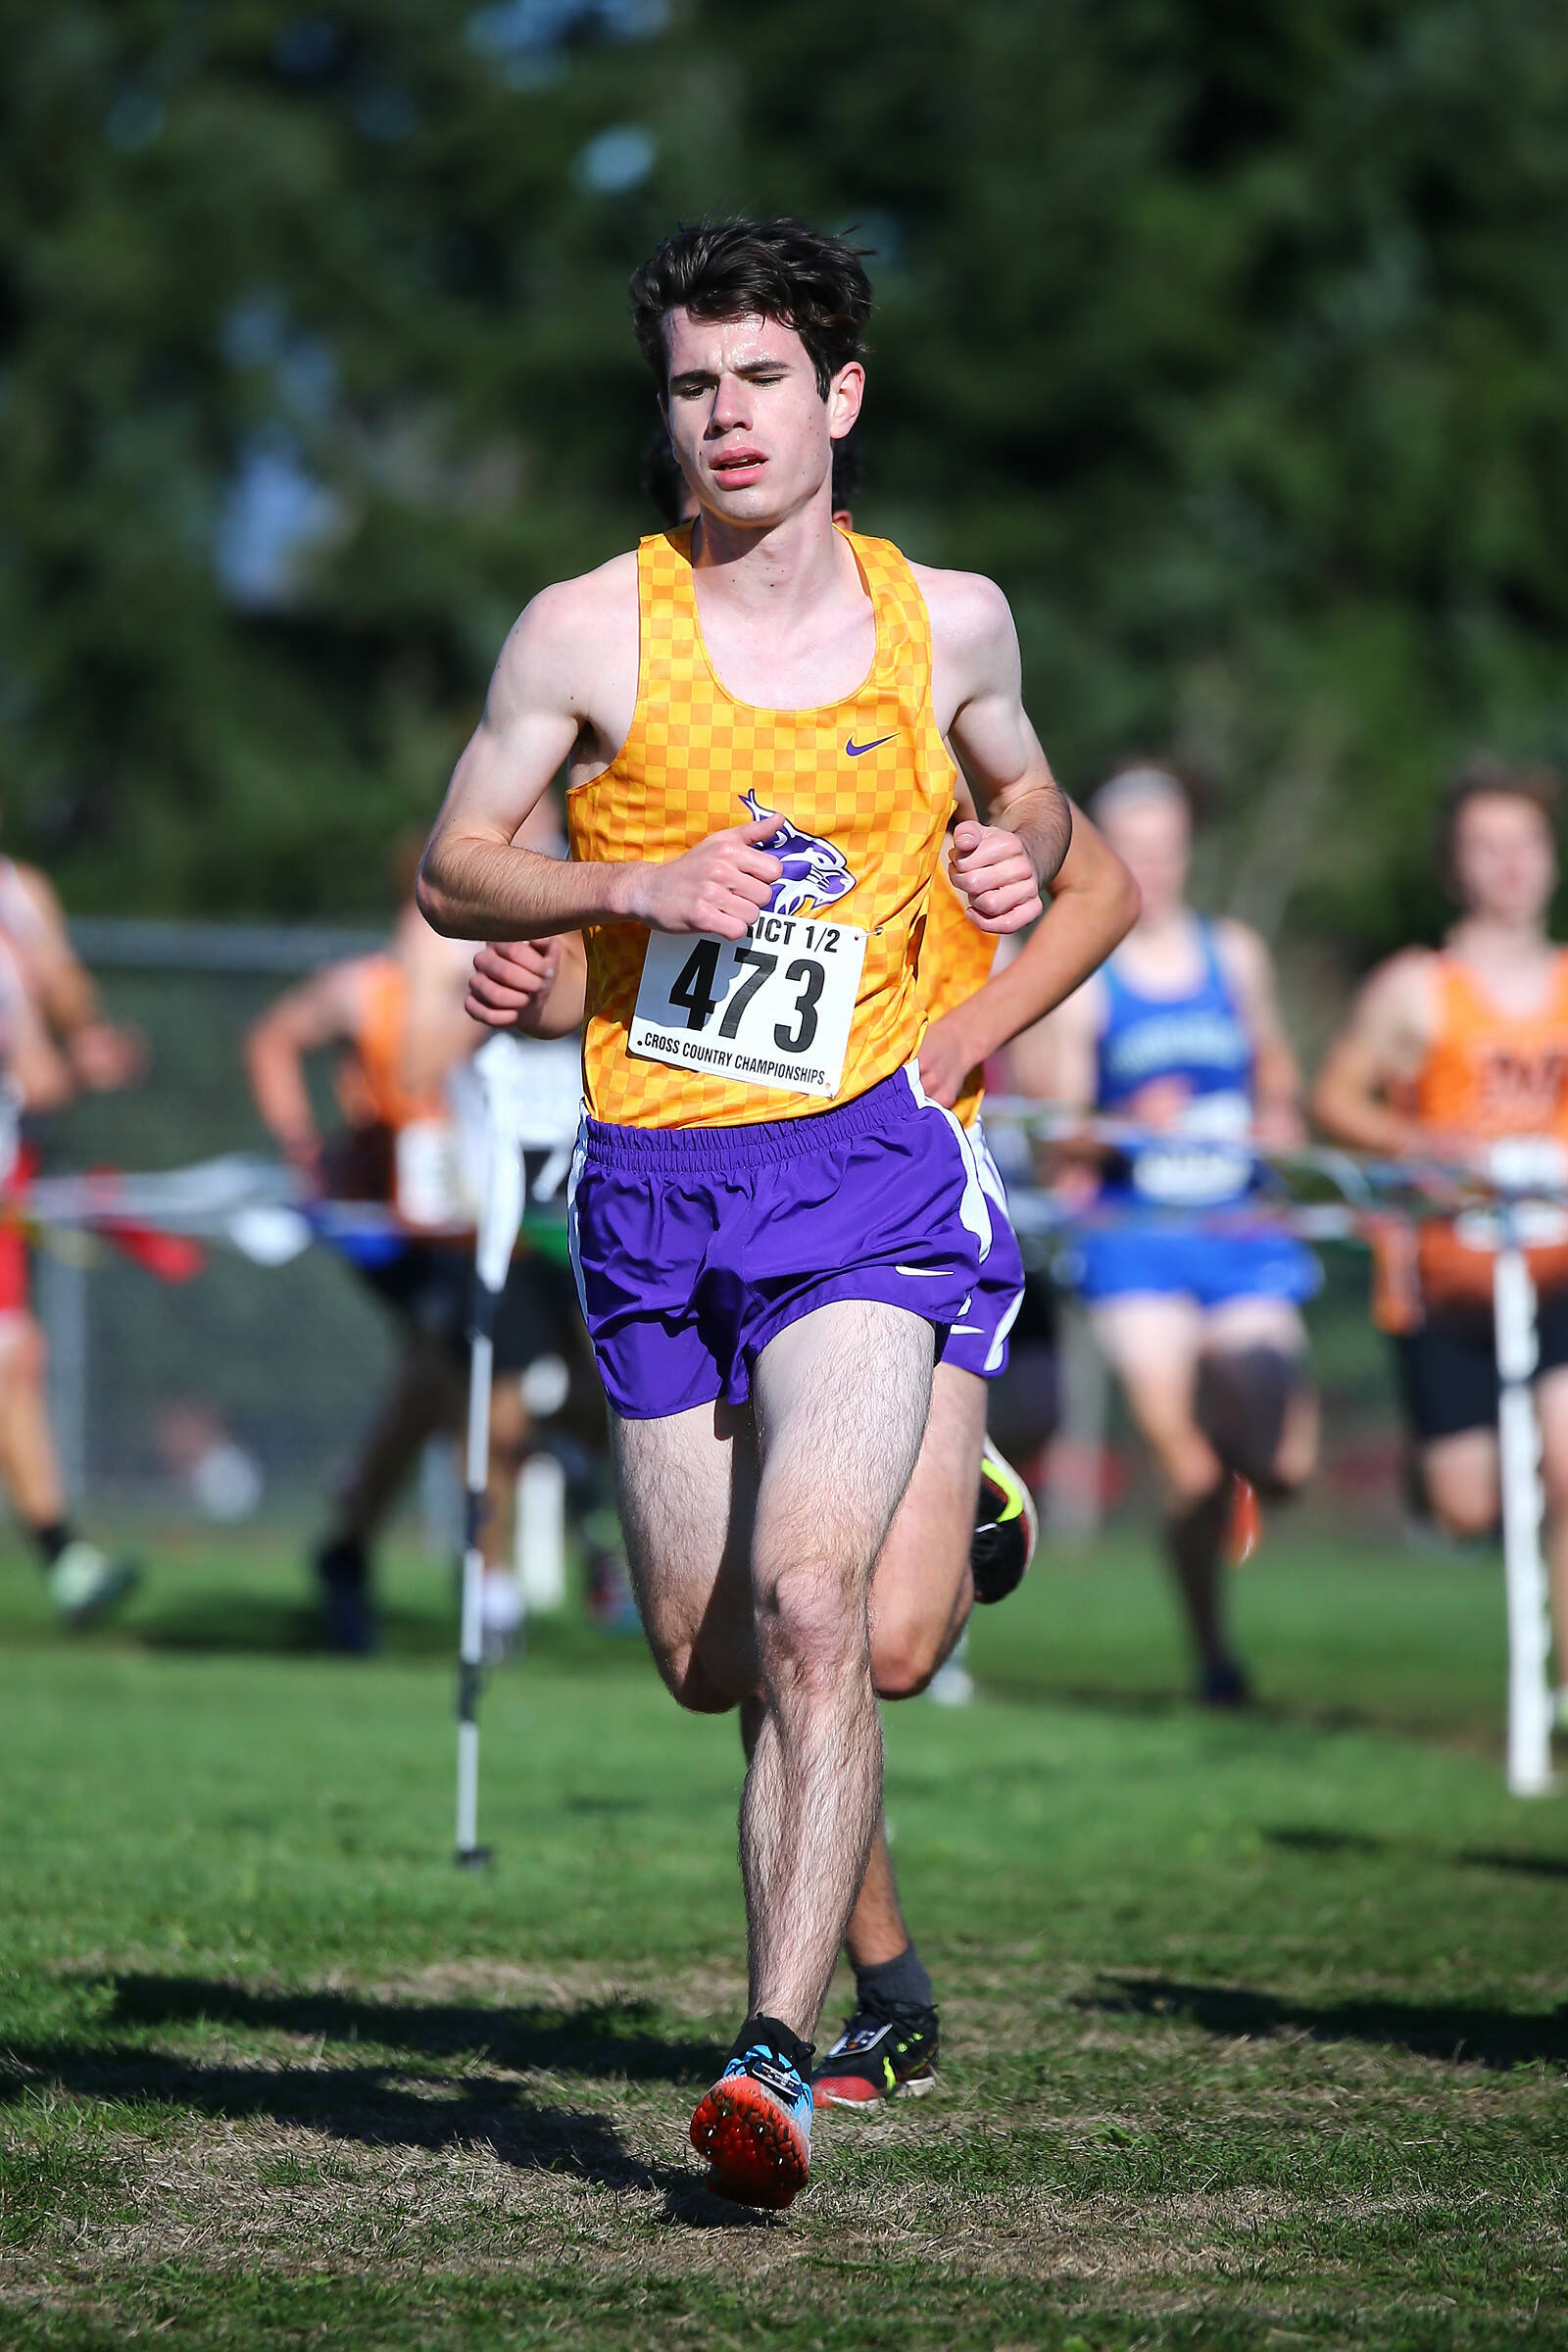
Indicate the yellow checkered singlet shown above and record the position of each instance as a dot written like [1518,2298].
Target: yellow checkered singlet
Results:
[691,757]
[956,960]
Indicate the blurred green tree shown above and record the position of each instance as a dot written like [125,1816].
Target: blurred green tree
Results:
[1228,334]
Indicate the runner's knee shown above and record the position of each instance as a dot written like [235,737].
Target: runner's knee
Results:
[1241,1398]
[907,1648]
[811,1626]
[1466,1514]
[24,1350]
[700,1685]
[1554,1479]
[904,1669]
[1465,1503]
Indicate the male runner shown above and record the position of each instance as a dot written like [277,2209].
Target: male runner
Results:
[65,1044]
[768,1210]
[1461,1054]
[944,1549]
[400,1015]
[1180,1031]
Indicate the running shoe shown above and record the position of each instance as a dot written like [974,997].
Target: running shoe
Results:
[501,1615]
[887,2050]
[1244,1531]
[755,2125]
[1224,1684]
[1007,1528]
[85,1584]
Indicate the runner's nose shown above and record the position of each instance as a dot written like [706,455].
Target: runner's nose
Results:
[731,410]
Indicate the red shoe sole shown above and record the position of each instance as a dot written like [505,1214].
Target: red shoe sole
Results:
[853,2090]
[759,2156]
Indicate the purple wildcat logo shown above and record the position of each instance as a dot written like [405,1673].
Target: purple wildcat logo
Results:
[814,877]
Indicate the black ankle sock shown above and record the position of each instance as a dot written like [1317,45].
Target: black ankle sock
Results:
[769,2029]
[53,1538]
[344,1561]
[902,1981]
[1193,1538]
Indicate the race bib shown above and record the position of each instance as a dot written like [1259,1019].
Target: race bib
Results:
[1197,1172]
[429,1189]
[1518,1161]
[773,1008]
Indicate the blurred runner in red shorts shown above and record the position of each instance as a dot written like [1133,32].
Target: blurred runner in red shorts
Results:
[53,1042]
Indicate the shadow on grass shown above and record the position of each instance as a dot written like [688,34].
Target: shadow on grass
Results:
[1336,1843]
[1107,1698]
[1469,1728]
[1529,1866]
[1493,2037]
[615,2038]
[1311,1841]
[219,1624]
[432,2091]
[256,1624]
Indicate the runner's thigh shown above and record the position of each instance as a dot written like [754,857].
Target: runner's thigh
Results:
[1152,1341]
[1255,1323]
[1552,1407]
[926,1557]
[841,1399]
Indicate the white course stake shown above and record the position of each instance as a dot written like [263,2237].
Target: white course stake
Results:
[500,1215]
[1523,1500]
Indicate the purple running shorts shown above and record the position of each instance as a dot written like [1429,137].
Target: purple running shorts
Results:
[693,1246]
[978,1341]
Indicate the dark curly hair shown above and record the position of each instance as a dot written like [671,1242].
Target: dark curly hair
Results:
[776,269]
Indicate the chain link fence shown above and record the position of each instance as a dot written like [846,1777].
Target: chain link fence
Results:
[241,1391]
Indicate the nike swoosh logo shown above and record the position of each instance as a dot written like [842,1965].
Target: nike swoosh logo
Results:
[857,750]
[926,1273]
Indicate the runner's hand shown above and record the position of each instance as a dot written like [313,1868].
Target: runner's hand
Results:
[720,886]
[946,1059]
[105,1056]
[511,981]
[1158,1103]
[995,874]
[1279,1127]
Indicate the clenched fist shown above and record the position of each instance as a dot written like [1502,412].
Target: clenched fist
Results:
[511,981]
[720,886]
[995,874]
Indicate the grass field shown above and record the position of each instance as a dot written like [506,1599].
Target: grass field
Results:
[1256,2030]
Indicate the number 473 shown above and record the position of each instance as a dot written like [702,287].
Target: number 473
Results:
[693,993]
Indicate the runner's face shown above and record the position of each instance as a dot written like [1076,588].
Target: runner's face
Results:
[1504,858]
[753,433]
[1154,838]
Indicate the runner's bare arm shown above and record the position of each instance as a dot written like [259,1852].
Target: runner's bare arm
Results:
[1002,865]
[1093,904]
[34,1067]
[539,986]
[564,690]
[1055,1060]
[1381,1048]
[102,1055]
[1277,1074]
[317,1013]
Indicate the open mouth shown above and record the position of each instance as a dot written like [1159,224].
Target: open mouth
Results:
[738,467]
